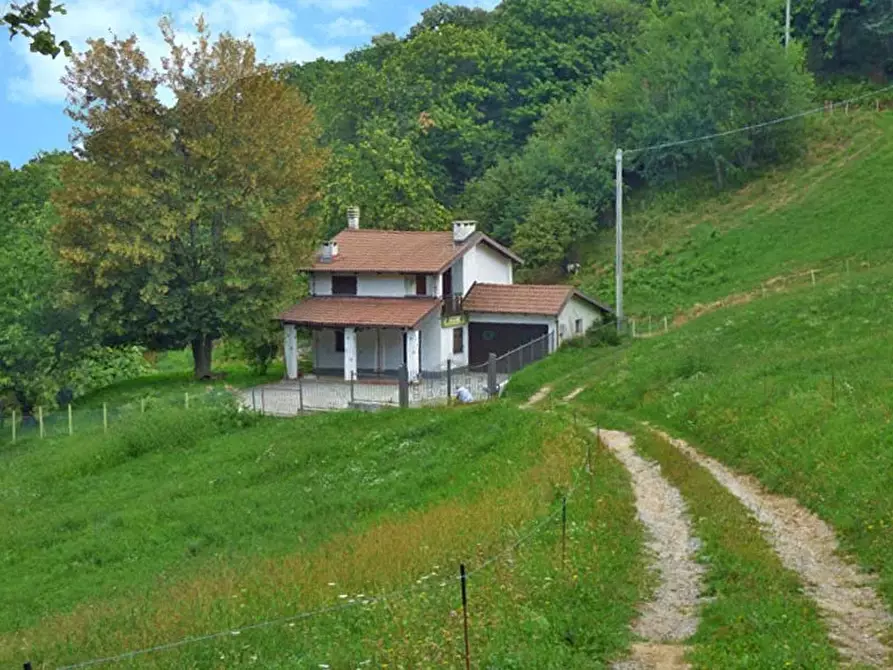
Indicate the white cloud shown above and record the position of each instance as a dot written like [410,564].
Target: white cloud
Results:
[268,23]
[334,5]
[345,27]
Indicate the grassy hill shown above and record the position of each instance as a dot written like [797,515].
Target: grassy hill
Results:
[341,534]
[687,244]
[182,523]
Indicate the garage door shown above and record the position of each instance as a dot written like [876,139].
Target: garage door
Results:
[499,338]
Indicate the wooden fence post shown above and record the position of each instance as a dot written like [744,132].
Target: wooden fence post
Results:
[70,422]
[186,399]
[13,426]
[492,385]
[105,418]
[300,394]
[40,420]
[449,379]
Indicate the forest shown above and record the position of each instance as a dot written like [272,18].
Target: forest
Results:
[174,225]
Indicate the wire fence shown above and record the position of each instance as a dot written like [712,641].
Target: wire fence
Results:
[70,420]
[650,325]
[558,513]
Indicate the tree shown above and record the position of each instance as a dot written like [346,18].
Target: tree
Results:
[31,20]
[550,228]
[704,67]
[388,178]
[848,36]
[559,47]
[186,223]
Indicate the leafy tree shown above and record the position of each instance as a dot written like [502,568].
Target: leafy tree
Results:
[547,232]
[388,178]
[559,47]
[40,342]
[847,36]
[704,67]
[183,224]
[31,20]
[442,14]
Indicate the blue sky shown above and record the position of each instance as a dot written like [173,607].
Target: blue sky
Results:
[32,100]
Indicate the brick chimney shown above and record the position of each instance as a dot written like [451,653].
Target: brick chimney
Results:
[462,230]
[353,218]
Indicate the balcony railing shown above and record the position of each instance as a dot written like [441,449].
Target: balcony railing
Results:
[453,305]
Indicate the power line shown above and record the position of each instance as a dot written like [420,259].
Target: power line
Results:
[756,126]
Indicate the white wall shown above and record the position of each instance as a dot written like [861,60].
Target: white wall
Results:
[573,310]
[467,272]
[324,354]
[446,347]
[320,283]
[369,285]
[431,345]
[383,286]
[391,348]
[490,267]
[387,341]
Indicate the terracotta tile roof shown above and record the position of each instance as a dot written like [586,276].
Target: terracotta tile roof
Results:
[363,312]
[401,251]
[547,299]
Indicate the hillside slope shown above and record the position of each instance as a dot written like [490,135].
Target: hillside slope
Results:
[690,245]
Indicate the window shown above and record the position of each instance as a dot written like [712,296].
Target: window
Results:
[339,341]
[458,340]
[578,326]
[344,285]
[421,285]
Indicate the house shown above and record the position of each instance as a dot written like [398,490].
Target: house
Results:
[382,299]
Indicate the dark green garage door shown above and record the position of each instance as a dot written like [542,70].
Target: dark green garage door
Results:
[499,338]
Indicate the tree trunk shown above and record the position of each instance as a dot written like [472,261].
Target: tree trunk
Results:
[202,347]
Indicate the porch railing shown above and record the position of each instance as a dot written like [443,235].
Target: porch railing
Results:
[453,305]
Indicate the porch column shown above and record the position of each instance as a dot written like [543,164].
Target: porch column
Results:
[291,351]
[350,353]
[412,355]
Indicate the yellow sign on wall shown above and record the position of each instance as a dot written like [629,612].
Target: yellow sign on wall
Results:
[454,321]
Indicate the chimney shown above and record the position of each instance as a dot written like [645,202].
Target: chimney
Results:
[462,230]
[328,252]
[353,218]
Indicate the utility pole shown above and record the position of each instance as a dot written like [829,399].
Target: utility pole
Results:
[787,24]
[618,229]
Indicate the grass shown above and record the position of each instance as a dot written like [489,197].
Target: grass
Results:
[757,615]
[692,244]
[186,523]
[795,389]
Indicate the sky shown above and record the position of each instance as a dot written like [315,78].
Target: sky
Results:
[32,100]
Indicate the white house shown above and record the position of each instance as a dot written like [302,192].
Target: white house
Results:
[382,299]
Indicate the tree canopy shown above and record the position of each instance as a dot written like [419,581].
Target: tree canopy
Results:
[31,21]
[183,223]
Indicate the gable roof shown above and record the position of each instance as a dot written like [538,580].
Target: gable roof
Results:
[338,312]
[539,299]
[400,251]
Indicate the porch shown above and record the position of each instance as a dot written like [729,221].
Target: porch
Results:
[370,337]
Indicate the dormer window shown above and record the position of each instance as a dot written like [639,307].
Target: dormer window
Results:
[421,285]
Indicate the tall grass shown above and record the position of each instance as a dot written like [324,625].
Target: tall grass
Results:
[191,522]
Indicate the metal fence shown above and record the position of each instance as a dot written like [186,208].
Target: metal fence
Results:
[482,381]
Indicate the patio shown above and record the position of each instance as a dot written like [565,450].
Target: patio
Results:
[290,398]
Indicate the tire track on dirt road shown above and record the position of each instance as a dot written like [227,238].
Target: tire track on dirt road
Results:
[857,620]
[672,616]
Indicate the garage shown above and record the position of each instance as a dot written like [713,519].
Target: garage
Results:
[487,338]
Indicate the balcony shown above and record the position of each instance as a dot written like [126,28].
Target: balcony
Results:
[453,305]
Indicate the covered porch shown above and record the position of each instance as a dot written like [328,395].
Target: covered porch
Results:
[359,337]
